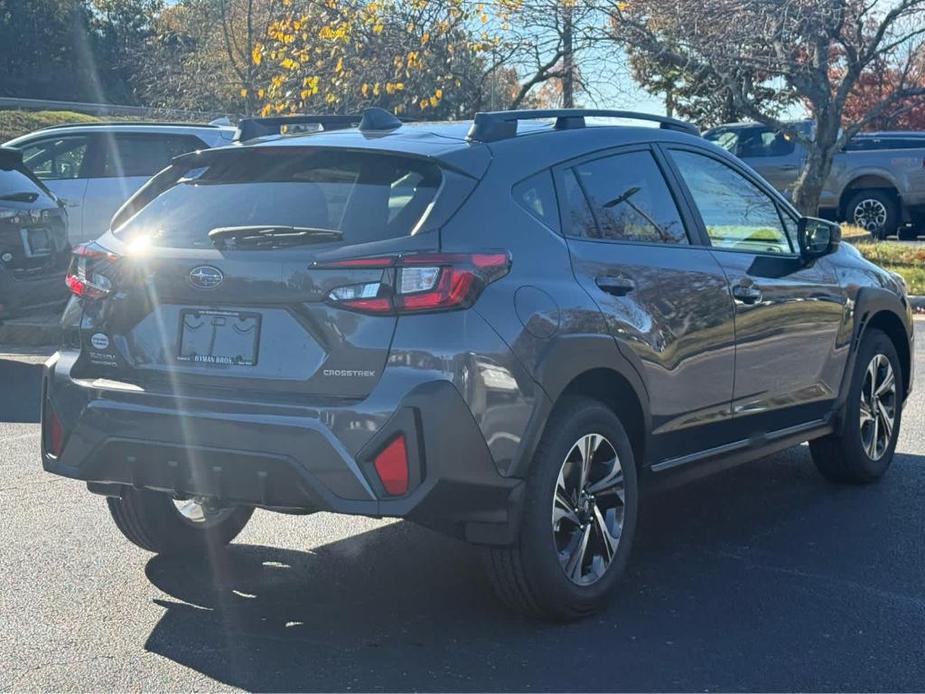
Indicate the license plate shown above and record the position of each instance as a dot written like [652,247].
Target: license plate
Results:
[36,242]
[221,338]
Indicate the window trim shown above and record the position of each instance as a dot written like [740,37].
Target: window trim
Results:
[559,171]
[780,202]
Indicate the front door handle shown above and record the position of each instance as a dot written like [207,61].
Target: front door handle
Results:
[746,293]
[618,286]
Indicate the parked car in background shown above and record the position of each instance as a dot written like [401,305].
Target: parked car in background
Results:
[34,251]
[94,168]
[877,180]
[501,329]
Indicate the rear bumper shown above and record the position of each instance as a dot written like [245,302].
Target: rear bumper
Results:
[283,457]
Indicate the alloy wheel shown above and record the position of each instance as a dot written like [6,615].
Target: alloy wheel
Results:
[200,512]
[588,509]
[878,407]
[870,214]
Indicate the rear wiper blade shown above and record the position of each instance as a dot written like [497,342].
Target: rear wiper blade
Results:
[20,197]
[270,236]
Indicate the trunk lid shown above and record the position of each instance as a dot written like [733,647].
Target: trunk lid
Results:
[183,315]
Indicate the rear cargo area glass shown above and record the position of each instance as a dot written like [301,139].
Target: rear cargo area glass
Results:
[365,196]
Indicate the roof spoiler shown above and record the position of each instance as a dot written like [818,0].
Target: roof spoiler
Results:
[370,119]
[10,158]
[491,126]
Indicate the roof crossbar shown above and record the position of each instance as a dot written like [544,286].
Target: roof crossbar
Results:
[374,119]
[491,126]
[250,128]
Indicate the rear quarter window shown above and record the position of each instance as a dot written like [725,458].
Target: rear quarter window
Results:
[366,196]
[537,196]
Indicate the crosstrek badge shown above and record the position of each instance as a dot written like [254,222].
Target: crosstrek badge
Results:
[99,341]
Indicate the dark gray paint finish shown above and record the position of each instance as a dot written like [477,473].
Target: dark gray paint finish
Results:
[496,370]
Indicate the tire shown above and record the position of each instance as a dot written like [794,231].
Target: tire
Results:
[847,456]
[875,210]
[153,521]
[530,576]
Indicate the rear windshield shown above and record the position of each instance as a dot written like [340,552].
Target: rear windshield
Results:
[365,196]
[13,182]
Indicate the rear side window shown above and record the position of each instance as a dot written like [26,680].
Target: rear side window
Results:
[142,155]
[752,143]
[366,196]
[538,197]
[629,200]
[757,143]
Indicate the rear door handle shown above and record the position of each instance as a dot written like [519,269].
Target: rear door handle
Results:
[618,286]
[746,293]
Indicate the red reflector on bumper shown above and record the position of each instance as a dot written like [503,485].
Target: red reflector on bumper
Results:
[54,442]
[392,467]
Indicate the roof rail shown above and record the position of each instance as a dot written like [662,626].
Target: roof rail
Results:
[109,123]
[490,126]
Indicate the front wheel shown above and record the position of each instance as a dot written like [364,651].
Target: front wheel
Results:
[862,451]
[579,517]
[159,523]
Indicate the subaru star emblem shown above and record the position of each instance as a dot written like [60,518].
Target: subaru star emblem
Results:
[206,277]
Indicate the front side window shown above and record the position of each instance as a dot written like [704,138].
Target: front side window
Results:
[629,200]
[365,196]
[737,214]
[143,155]
[57,158]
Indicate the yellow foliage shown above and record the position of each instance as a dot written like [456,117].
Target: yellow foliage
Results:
[257,53]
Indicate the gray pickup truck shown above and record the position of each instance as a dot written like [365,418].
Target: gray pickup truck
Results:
[877,180]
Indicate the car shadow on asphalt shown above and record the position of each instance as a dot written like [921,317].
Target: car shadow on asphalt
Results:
[732,581]
[20,392]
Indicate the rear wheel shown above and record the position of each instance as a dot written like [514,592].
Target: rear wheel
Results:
[159,523]
[579,517]
[863,449]
[874,210]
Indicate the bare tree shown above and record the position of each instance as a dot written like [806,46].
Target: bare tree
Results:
[244,25]
[817,48]
[551,41]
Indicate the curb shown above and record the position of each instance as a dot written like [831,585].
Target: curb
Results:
[33,331]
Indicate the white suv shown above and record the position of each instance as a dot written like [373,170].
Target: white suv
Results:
[96,167]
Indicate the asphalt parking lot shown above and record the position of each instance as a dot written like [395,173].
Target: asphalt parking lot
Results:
[761,578]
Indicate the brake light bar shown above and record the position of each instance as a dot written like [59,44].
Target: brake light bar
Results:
[82,277]
[419,282]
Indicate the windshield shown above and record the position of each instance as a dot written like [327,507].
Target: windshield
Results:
[364,196]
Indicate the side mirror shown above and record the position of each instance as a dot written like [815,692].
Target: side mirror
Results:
[817,237]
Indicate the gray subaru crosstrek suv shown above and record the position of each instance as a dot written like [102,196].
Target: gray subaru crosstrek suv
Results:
[505,330]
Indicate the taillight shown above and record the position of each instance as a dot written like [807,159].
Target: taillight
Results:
[54,432]
[419,282]
[83,276]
